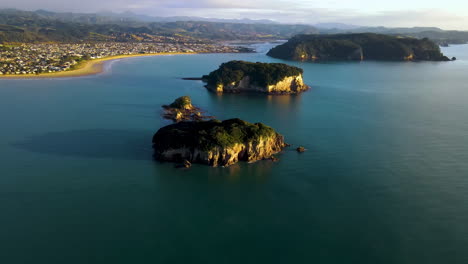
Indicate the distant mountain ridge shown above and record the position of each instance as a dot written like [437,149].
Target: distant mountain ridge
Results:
[335,26]
[42,25]
[111,17]
[146,18]
[440,36]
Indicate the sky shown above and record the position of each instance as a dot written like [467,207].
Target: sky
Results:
[447,14]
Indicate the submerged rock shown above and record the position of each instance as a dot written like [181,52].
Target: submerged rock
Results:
[274,159]
[269,78]
[185,165]
[216,143]
[301,149]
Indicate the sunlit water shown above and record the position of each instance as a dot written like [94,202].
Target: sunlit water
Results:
[385,179]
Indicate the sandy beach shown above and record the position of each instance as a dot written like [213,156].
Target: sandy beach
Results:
[90,67]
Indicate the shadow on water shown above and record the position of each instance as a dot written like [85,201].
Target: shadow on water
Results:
[284,102]
[93,143]
[135,106]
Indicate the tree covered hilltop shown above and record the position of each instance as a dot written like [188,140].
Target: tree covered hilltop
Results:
[357,47]
[239,76]
[216,143]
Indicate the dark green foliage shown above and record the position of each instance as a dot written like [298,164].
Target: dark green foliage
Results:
[207,135]
[328,48]
[182,103]
[366,46]
[17,34]
[65,59]
[261,74]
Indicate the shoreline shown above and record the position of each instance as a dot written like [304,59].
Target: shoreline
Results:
[90,67]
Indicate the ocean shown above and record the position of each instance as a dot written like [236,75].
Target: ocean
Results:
[384,180]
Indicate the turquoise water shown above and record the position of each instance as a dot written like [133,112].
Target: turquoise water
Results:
[385,179]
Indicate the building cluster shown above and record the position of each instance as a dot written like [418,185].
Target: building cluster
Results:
[48,58]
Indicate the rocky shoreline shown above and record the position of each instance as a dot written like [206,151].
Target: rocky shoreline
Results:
[183,110]
[268,78]
[357,47]
[217,143]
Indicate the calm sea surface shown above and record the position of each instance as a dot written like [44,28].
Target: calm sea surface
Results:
[385,179]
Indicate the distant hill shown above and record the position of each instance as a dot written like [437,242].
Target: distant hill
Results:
[145,18]
[344,28]
[125,17]
[440,36]
[41,25]
[335,26]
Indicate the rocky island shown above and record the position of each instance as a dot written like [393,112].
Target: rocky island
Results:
[216,143]
[357,47]
[183,110]
[269,78]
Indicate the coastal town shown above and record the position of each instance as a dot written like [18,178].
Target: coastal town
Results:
[33,59]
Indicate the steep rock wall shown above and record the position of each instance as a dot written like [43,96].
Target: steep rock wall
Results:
[289,85]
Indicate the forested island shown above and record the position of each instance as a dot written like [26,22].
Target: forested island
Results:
[242,76]
[216,143]
[357,47]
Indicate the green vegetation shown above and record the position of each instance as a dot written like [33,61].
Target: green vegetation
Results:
[261,74]
[183,102]
[207,135]
[366,46]
[42,26]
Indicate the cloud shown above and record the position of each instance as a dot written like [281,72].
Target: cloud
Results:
[93,5]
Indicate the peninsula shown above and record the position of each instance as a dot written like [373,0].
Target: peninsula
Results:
[357,47]
[269,78]
[216,143]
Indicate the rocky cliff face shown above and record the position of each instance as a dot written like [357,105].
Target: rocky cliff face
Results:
[216,143]
[225,156]
[289,85]
[242,76]
[183,110]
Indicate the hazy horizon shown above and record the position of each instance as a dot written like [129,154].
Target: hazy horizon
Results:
[398,13]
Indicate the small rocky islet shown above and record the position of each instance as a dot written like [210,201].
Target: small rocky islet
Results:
[183,110]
